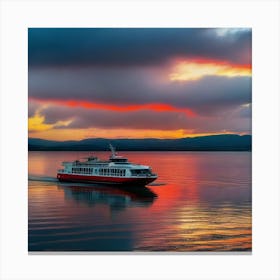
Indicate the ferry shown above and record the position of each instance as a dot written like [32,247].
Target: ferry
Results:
[117,170]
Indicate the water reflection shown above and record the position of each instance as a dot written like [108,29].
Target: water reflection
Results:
[118,198]
[200,202]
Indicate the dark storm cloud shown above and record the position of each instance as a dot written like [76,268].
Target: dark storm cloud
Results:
[213,94]
[133,46]
[118,85]
[139,86]
[142,119]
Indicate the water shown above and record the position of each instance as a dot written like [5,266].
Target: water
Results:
[200,202]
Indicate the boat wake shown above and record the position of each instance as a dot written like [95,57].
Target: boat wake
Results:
[55,180]
[42,178]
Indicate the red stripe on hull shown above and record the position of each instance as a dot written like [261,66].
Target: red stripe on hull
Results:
[103,179]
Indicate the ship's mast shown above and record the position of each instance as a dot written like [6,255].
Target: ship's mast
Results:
[113,151]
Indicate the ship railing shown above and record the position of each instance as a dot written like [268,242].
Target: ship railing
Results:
[61,170]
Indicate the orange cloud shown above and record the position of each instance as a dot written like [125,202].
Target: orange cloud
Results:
[195,69]
[120,108]
[36,123]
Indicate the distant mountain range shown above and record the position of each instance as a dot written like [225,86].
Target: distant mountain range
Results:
[223,142]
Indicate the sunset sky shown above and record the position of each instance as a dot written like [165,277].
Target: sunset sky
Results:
[138,82]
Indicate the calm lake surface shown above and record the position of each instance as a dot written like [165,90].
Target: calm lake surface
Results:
[200,202]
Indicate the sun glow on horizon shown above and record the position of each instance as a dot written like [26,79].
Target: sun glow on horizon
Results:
[64,134]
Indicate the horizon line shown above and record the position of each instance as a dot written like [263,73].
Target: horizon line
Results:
[208,135]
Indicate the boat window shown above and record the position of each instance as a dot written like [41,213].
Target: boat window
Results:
[118,160]
[140,171]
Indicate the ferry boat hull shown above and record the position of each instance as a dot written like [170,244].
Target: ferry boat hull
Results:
[117,170]
[105,180]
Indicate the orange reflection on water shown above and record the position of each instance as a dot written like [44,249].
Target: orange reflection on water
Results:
[203,203]
[198,228]
[37,166]
[180,177]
